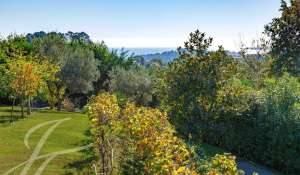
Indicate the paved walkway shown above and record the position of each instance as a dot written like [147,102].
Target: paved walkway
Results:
[250,168]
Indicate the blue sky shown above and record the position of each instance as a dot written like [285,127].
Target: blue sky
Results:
[141,23]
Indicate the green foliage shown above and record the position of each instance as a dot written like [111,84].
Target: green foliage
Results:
[5,79]
[281,123]
[10,50]
[285,39]
[239,108]
[78,66]
[52,48]
[80,71]
[108,60]
[136,84]
[190,84]
[260,125]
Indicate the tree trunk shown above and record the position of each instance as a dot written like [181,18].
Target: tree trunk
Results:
[12,110]
[29,107]
[22,107]
[51,106]
[59,105]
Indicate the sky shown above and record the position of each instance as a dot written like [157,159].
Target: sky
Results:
[141,23]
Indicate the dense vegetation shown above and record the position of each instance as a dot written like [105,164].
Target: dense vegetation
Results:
[138,140]
[145,116]
[248,106]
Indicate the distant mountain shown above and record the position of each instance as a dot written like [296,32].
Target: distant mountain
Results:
[166,56]
[143,50]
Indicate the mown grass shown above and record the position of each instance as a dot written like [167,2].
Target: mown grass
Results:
[69,134]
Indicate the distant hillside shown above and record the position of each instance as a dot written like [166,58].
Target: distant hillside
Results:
[166,56]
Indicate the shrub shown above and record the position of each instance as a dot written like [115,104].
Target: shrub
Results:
[260,125]
[138,140]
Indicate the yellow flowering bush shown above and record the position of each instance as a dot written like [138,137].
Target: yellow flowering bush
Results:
[139,140]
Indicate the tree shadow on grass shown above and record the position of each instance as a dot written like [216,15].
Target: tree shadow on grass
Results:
[83,166]
[52,111]
[5,119]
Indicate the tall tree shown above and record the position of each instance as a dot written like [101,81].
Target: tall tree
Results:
[54,49]
[137,84]
[191,82]
[26,81]
[80,71]
[284,33]
[78,66]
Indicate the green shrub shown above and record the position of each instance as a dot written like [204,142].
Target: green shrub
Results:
[260,125]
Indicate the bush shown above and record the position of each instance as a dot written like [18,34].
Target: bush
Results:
[259,125]
[138,140]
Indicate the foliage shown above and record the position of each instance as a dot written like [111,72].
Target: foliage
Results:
[139,140]
[80,71]
[5,79]
[135,83]
[191,82]
[285,39]
[78,67]
[242,109]
[252,69]
[260,125]
[108,60]
[281,124]
[27,80]
[11,49]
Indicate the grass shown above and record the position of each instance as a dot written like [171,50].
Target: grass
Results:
[69,134]
[211,150]
[5,114]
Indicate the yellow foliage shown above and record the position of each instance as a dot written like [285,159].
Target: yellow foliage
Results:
[27,80]
[147,137]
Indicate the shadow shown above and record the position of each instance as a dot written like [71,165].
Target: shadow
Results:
[8,119]
[83,165]
[9,110]
[52,111]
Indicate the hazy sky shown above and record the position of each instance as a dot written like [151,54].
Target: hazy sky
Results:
[141,23]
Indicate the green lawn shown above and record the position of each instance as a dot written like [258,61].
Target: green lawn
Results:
[67,135]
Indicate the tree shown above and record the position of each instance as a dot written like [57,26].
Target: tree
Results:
[5,77]
[191,82]
[108,60]
[80,71]
[135,83]
[26,81]
[11,48]
[253,68]
[54,49]
[284,33]
[78,67]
